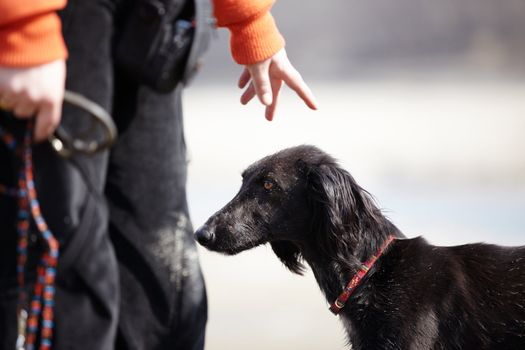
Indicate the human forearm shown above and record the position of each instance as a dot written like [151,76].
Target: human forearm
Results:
[30,32]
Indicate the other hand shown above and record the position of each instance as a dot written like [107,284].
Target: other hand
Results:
[266,79]
[34,91]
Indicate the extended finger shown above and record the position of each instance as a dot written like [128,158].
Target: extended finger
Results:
[261,82]
[295,81]
[244,78]
[46,121]
[276,89]
[248,94]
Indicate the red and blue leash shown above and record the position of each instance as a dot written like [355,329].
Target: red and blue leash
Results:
[35,317]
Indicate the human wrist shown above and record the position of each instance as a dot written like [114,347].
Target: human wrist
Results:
[255,40]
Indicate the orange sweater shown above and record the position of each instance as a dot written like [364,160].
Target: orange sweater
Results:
[30,31]
[254,35]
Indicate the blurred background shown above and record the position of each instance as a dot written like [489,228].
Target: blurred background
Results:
[422,101]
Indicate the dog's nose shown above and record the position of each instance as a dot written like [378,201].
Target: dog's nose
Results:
[204,236]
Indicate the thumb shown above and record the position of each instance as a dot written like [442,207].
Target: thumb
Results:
[47,120]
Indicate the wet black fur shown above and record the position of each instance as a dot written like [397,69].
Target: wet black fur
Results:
[417,296]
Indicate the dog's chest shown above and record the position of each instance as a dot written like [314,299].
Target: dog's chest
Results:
[347,324]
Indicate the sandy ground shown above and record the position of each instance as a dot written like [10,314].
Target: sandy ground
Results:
[446,160]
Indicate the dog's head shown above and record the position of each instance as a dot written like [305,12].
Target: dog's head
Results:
[296,198]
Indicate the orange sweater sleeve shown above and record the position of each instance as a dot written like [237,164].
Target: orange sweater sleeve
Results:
[254,35]
[30,32]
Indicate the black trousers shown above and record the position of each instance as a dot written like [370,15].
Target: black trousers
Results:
[128,274]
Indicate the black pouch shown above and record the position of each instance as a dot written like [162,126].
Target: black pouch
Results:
[163,41]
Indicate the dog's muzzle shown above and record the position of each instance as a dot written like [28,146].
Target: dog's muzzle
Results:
[204,236]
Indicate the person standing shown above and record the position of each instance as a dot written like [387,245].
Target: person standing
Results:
[128,275]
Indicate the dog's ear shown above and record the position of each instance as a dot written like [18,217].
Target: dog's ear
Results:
[341,208]
[332,191]
[289,255]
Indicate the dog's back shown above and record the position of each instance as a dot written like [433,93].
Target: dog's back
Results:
[463,297]
[491,287]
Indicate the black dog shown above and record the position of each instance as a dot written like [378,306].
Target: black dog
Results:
[415,296]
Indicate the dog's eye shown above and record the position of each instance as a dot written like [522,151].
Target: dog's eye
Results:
[268,185]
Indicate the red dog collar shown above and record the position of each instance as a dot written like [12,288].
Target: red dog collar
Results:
[341,300]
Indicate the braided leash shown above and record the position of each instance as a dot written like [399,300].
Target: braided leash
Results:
[40,314]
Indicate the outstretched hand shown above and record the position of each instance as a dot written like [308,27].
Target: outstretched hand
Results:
[266,79]
[34,91]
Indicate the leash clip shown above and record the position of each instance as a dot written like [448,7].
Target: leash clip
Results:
[22,322]
[66,145]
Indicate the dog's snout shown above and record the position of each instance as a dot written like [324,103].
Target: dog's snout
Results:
[204,236]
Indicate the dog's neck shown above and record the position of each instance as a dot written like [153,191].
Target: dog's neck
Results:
[333,273]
